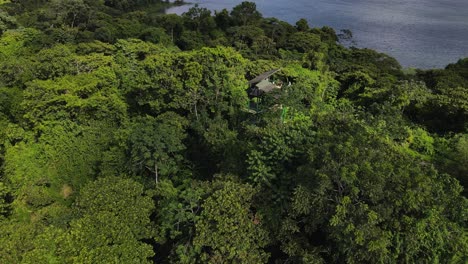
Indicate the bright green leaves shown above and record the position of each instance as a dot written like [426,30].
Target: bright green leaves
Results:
[14,41]
[223,78]
[89,96]
[156,86]
[340,172]
[355,83]
[47,173]
[259,171]
[115,218]
[178,208]
[273,155]
[17,238]
[156,145]
[401,96]
[358,226]
[227,230]
[210,222]
[451,156]
[111,218]
[54,62]
[46,247]
[419,142]
[433,238]
[309,89]
[104,238]
[200,82]
[15,53]
[72,87]
[363,192]
[460,157]
[123,198]
[192,76]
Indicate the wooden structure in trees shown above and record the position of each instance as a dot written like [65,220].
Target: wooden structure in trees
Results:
[261,84]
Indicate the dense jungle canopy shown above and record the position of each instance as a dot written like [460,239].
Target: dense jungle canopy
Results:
[129,136]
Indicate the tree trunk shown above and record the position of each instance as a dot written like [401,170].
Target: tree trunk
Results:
[156,175]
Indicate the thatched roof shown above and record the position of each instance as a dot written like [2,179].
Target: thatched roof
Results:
[261,88]
[263,76]
[266,86]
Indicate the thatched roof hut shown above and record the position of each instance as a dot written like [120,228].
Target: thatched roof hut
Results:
[261,84]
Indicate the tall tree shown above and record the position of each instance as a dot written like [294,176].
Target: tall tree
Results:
[228,230]
[115,219]
[156,145]
[246,14]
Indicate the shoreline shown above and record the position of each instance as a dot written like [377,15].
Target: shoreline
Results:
[403,36]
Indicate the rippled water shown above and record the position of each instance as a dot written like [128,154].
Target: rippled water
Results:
[419,33]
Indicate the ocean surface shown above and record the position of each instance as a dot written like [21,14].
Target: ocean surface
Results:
[419,33]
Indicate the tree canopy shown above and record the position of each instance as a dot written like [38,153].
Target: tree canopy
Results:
[132,136]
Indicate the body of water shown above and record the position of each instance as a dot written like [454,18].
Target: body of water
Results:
[419,33]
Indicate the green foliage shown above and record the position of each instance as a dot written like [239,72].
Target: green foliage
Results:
[4,203]
[451,157]
[45,175]
[246,14]
[199,20]
[6,21]
[156,145]
[17,239]
[91,95]
[303,42]
[446,108]
[115,218]
[178,208]
[227,230]
[54,62]
[356,174]
[46,247]
[16,53]
[171,81]
[352,161]
[10,99]
[302,25]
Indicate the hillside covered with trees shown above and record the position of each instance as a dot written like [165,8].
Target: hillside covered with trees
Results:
[130,136]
